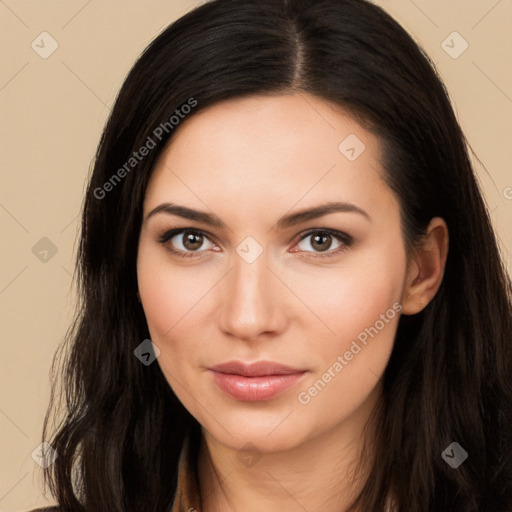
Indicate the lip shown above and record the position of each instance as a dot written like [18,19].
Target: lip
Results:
[262,380]
[257,369]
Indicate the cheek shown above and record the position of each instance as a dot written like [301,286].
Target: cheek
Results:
[351,297]
[169,294]
[360,304]
[346,302]
[177,305]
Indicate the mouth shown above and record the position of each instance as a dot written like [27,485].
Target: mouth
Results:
[258,381]
[257,369]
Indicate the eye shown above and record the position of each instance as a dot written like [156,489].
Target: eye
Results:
[185,242]
[321,241]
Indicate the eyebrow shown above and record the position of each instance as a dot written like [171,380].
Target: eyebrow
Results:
[284,222]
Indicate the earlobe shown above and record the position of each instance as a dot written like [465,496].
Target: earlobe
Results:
[426,269]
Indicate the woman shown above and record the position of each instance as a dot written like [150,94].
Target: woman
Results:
[292,296]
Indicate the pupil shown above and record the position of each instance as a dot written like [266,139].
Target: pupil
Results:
[324,238]
[189,240]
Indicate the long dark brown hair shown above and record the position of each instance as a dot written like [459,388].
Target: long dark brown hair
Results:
[449,378]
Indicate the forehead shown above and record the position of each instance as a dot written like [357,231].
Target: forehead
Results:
[269,151]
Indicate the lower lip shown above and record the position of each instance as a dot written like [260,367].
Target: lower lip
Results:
[255,389]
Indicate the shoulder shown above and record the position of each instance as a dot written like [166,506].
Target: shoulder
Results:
[45,509]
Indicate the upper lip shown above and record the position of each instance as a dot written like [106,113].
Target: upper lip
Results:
[257,369]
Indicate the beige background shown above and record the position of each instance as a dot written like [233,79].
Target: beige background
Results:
[53,111]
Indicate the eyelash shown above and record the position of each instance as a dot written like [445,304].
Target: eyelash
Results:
[345,239]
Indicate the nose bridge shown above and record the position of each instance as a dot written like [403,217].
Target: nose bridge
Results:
[250,305]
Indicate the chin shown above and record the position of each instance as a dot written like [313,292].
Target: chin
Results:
[267,432]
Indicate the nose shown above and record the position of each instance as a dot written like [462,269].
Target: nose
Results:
[252,301]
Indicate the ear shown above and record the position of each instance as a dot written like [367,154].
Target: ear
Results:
[425,269]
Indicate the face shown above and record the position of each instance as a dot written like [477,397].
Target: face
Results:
[249,280]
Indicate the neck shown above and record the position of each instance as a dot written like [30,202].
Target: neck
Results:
[326,472]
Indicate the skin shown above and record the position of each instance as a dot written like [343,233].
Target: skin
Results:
[251,161]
